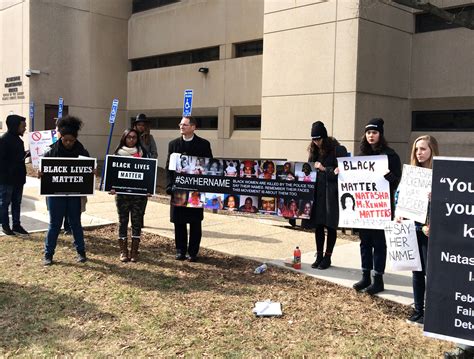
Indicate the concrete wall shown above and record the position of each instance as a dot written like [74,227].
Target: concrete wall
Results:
[232,86]
[82,46]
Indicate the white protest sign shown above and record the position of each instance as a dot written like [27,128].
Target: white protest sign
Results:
[364,193]
[402,246]
[413,192]
[39,144]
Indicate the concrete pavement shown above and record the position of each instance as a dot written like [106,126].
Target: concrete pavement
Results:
[264,239]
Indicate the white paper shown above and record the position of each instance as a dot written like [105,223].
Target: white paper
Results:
[267,309]
[402,246]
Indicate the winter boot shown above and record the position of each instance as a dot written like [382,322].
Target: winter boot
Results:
[326,262]
[364,282]
[375,287]
[317,262]
[123,243]
[134,251]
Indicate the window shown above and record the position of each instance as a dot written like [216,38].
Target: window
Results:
[176,59]
[143,5]
[252,122]
[428,22]
[250,48]
[50,115]
[171,122]
[457,120]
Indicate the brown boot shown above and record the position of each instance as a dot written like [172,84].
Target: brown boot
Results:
[134,251]
[123,250]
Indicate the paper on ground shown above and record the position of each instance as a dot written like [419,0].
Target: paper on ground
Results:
[267,308]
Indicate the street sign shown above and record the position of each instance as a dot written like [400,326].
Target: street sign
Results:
[60,107]
[113,111]
[188,103]
[32,116]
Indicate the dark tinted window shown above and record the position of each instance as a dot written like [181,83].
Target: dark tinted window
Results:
[171,122]
[462,120]
[175,59]
[250,48]
[252,122]
[429,22]
[142,5]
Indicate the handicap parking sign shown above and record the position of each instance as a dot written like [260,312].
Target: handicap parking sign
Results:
[188,103]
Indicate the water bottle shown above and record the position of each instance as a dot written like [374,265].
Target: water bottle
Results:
[261,269]
[297,258]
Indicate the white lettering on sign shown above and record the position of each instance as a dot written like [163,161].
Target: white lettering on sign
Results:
[130,175]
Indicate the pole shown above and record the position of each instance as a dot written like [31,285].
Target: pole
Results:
[106,153]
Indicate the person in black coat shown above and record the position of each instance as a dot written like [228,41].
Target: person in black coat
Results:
[12,174]
[323,151]
[192,145]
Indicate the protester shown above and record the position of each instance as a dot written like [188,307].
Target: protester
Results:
[142,126]
[373,249]
[190,144]
[12,174]
[129,205]
[323,151]
[66,146]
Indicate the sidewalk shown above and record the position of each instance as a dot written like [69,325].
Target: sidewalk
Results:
[261,238]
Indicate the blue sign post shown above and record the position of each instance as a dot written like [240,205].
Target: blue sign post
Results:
[113,115]
[32,116]
[188,103]
[60,107]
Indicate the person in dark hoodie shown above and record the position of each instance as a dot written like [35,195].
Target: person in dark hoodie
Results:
[66,146]
[12,174]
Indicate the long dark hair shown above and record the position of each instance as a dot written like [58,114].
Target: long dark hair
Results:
[122,143]
[328,146]
[366,148]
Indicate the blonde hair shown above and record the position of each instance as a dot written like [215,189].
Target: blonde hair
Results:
[432,144]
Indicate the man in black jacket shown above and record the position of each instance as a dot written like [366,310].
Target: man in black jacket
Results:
[191,145]
[12,174]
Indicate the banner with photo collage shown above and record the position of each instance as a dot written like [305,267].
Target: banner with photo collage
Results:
[280,188]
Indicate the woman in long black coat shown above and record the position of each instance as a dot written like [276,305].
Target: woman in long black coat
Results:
[323,151]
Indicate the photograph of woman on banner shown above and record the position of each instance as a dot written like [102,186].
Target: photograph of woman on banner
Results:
[323,151]
[128,205]
[304,173]
[247,169]
[348,202]
[183,164]
[199,166]
[288,208]
[231,167]
[180,198]
[195,200]
[214,167]
[247,204]
[231,202]
[305,209]
[214,201]
[373,248]
[422,152]
[285,171]
[267,205]
[268,170]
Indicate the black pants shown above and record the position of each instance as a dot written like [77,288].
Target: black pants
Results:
[419,283]
[320,237]
[373,250]
[181,238]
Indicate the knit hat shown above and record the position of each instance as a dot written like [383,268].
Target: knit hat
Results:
[318,131]
[141,117]
[375,124]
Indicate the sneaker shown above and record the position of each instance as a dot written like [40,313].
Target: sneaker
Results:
[81,257]
[20,230]
[47,261]
[415,317]
[7,230]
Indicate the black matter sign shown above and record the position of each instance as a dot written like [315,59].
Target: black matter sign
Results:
[130,175]
[67,176]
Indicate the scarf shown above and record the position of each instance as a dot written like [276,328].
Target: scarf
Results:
[129,151]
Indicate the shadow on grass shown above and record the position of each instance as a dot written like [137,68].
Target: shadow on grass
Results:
[31,316]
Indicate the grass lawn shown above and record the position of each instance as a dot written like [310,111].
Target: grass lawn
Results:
[162,307]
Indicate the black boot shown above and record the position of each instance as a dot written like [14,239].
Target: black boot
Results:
[364,282]
[377,286]
[326,262]
[317,262]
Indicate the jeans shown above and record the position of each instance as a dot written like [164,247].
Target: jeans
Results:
[373,250]
[419,283]
[58,207]
[10,194]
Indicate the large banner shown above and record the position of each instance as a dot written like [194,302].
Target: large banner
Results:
[130,175]
[449,311]
[413,192]
[39,144]
[364,193]
[402,246]
[252,186]
[67,176]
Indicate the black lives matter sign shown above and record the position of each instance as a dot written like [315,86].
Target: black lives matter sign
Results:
[130,175]
[67,176]
[450,277]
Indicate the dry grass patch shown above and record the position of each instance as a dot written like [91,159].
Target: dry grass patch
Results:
[162,307]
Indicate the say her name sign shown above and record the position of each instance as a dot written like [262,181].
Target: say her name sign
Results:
[364,193]
[413,192]
[402,246]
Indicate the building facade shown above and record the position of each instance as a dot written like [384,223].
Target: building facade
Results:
[262,70]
